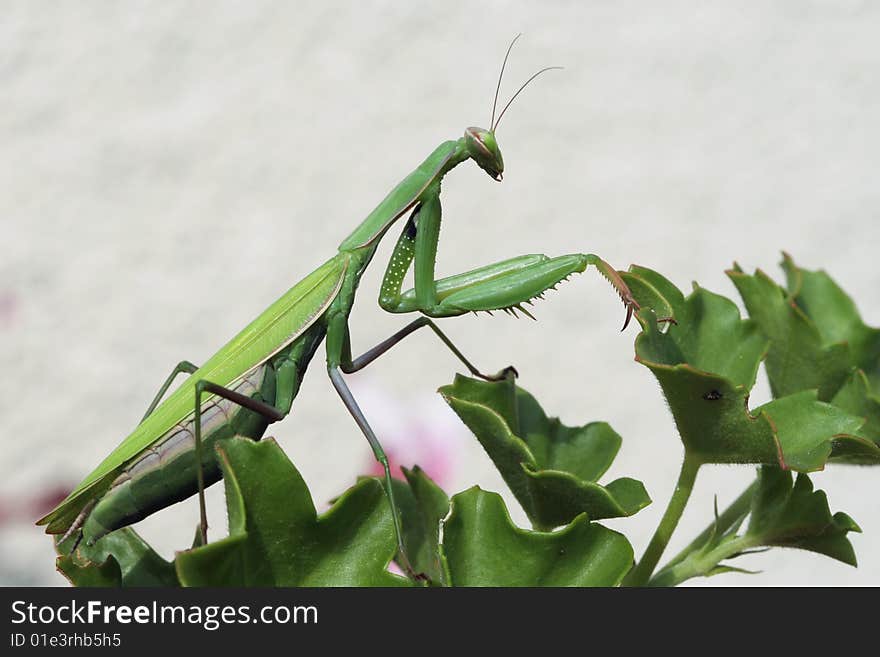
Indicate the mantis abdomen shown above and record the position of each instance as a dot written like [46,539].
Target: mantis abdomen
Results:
[164,473]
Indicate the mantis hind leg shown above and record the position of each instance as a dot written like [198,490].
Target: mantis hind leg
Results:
[182,366]
[203,386]
[339,360]
[353,408]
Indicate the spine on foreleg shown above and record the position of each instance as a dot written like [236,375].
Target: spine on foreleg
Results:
[166,472]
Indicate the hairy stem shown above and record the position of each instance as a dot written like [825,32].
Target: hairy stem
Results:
[696,564]
[641,573]
[730,515]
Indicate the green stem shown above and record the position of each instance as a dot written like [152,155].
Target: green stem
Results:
[730,515]
[696,565]
[641,573]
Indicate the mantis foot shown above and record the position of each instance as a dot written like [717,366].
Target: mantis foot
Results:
[632,306]
[507,372]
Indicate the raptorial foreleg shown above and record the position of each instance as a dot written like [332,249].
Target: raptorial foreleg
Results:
[506,285]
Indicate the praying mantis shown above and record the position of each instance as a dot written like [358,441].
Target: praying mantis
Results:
[253,380]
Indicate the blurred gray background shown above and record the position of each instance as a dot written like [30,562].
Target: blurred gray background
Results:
[168,169]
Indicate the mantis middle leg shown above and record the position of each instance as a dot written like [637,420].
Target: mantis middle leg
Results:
[350,365]
[339,360]
[358,415]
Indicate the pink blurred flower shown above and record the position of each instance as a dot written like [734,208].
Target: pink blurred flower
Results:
[8,308]
[419,431]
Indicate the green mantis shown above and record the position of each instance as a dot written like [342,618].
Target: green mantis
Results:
[253,380]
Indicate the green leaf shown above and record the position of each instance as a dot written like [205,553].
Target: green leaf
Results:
[276,537]
[709,336]
[835,316]
[86,573]
[551,468]
[653,292]
[798,357]
[482,547]
[808,432]
[798,517]
[121,558]
[721,570]
[706,364]
[857,397]
[818,340]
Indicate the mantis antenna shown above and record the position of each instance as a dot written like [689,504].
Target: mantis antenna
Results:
[501,75]
[518,91]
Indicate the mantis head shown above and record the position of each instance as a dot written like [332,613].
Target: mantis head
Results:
[483,149]
[480,143]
